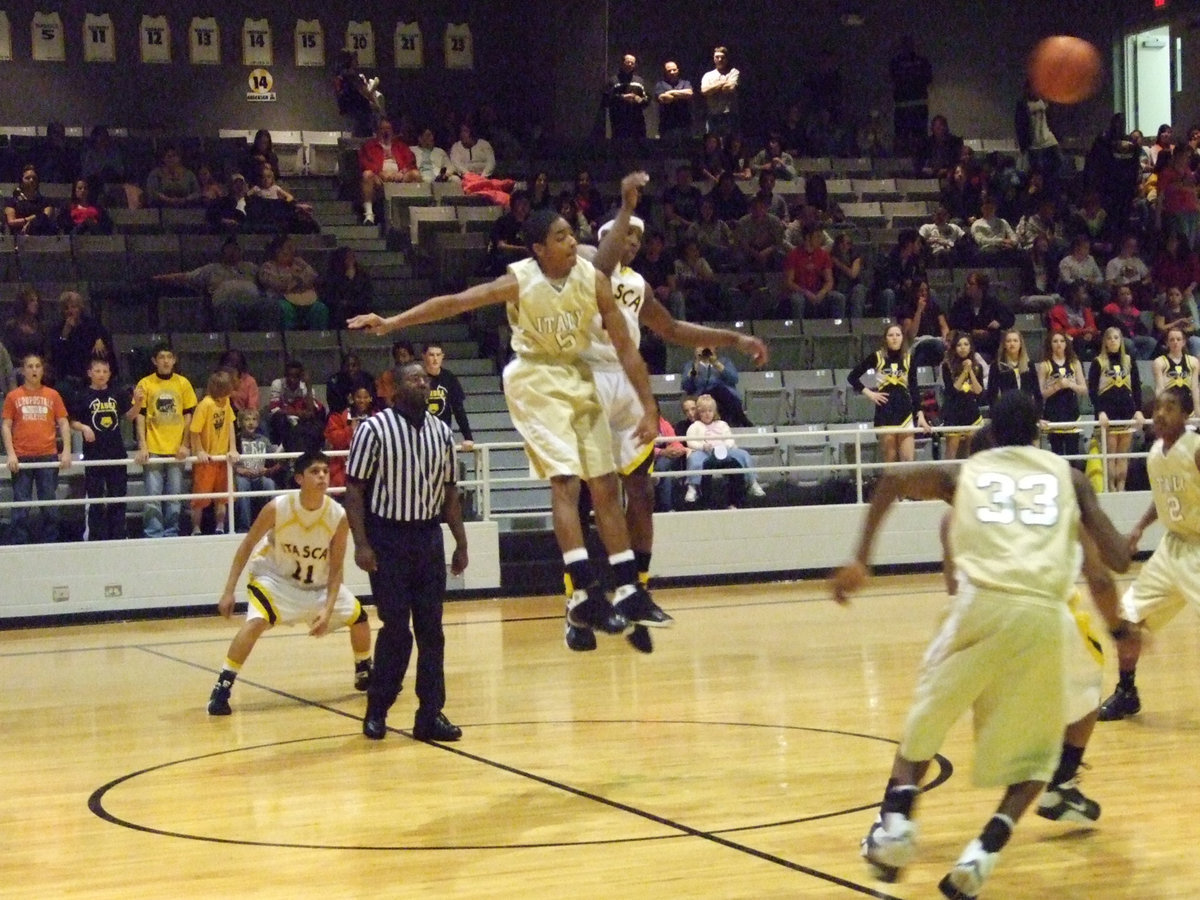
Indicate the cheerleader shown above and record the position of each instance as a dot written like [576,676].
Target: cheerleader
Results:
[962,383]
[1060,377]
[1116,390]
[1012,371]
[895,395]
[1176,368]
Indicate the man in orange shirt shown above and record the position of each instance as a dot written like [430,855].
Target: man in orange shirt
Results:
[31,413]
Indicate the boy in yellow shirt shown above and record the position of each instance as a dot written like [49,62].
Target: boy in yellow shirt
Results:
[165,402]
[212,434]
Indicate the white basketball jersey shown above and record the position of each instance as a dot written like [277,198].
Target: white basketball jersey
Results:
[629,291]
[99,41]
[460,49]
[549,321]
[360,37]
[310,43]
[256,43]
[204,42]
[409,48]
[297,548]
[47,33]
[155,39]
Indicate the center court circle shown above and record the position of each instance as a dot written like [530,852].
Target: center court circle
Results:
[509,785]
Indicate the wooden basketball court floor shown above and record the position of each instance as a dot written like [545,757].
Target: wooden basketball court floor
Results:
[744,758]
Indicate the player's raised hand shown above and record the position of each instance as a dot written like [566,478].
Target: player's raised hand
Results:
[754,348]
[848,580]
[372,322]
[631,188]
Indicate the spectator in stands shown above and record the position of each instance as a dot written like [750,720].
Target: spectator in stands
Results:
[711,161]
[893,377]
[716,376]
[244,394]
[962,195]
[383,158]
[992,235]
[669,456]
[296,418]
[271,208]
[1012,371]
[446,397]
[711,447]
[345,381]
[292,282]
[680,205]
[340,428]
[164,401]
[506,243]
[1177,312]
[227,213]
[472,154]
[26,332]
[1113,169]
[924,324]
[719,87]
[103,162]
[1039,278]
[1079,267]
[96,414]
[848,273]
[34,416]
[347,289]
[940,150]
[587,197]
[703,299]
[170,184]
[56,160]
[76,340]
[980,315]
[433,163]
[758,238]
[212,188]
[84,213]
[355,99]
[569,210]
[943,239]
[27,211]
[1091,219]
[1043,223]
[731,204]
[911,77]
[211,433]
[626,98]
[737,157]
[774,159]
[776,205]
[540,196]
[674,96]
[1178,208]
[714,236]
[1034,137]
[1176,266]
[1127,318]
[658,268]
[385,385]
[1164,140]
[808,280]
[231,284]
[253,472]
[260,152]
[899,272]
[8,373]
[1127,268]
[687,405]
[1073,317]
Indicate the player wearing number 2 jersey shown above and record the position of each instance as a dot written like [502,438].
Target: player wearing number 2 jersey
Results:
[298,544]
[1016,515]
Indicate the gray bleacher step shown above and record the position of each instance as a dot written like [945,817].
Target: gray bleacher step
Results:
[356,232]
[331,207]
[359,245]
[386,271]
[376,259]
[329,220]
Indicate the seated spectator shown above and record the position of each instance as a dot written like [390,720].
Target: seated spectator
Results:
[716,376]
[345,381]
[1043,223]
[848,272]
[75,340]
[703,298]
[292,282]
[714,236]
[340,428]
[924,325]
[1073,317]
[776,205]
[758,238]
[1039,278]
[569,210]
[472,154]
[27,332]
[244,394]
[27,211]
[296,418]
[791,130]
[56,160]
[980,315]
[433,163]
[271,209]
[774,159]
[587,198]
[253,472]
[680,205]
[944,240]
[212,189]
[1177,312]
[170,184]
[1079,268]
[711,162]
[506,244]
[992,234]
[962,196]
[711,447]
[347,290]
[939,151]
[1091,220]
[899,272]
[103,162]
[383,158]
[84,213]
[540,196]
[687,405]
[670,456]
[658,268]
[260,152]
[730,203]
[808,280]
[227,213]
[231,286]
[1127,318]
[1176,266]
[1178,208]
[385,385]
[35,425]
[737,158]
[446,397]
[1127,268]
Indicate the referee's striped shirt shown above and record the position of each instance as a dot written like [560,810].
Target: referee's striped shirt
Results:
[406,469]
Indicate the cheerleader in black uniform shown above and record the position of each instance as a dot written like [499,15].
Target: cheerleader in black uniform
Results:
[1012,371]
[1060,376]
[1176,368]
[962,383]
[1116,390]
[895,395]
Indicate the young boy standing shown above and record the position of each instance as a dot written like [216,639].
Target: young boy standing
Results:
[165,401]
[212,434]
[97,416]
[31,414]
[253,472]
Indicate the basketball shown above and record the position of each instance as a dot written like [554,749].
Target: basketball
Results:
[1064,69]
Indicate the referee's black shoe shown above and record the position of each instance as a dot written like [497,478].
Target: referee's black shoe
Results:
[375,725]
[639,609]
[437,728]
[595,612]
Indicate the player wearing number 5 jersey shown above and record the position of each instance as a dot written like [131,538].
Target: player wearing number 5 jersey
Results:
[1171,577]
[296,549]
[1016,515]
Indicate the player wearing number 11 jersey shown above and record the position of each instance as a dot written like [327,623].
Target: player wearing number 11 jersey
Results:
[296,549]
[1016,515]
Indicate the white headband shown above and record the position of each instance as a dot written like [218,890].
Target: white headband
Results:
[634,222]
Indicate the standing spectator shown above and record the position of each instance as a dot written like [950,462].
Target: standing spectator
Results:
[296,418]
[1127,268]
[292,282]
[1176,266]
[347,290]
[626,99]
[25,332]
[96,415]
[383,158]
[27,211]
[84,213]
[808,280]
[401,482]
[355,100]
[1079,268]
[446,397]
[345,381]
[164,401]
[1073,317]
[674,96]
[924,325]
[431,160]
[943,238]
[211,433]
[253,472]
[245,389]
[1178,208]
[980,315]
[1034,137]
[75,342]
[472,154]
[1061,378]
[340,427]
[34,417]
[231,285]
[170,184]
[719,87]
[1127,319]
[911,77]
[716,376]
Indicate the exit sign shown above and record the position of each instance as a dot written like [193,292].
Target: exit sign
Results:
[1159,4]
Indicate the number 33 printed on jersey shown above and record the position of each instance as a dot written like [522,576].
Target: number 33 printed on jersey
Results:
[1030,500]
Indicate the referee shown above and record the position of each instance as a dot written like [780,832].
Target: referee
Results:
[400,485]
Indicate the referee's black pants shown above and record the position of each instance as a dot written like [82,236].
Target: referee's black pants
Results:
[409,580]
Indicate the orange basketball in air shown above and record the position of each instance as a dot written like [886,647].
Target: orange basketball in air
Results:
[1064,69]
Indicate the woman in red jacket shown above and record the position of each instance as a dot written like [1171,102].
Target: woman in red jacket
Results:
[1073,317]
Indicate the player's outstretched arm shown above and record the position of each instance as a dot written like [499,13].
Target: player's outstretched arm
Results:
[337,568]
[612,247]
[435,309]
[656,317]
[631,359]
[1112,545]
[263,523]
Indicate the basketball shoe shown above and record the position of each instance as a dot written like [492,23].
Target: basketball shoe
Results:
[966,879]
[362,675]
[889,848]
[591,609]
[1121,703]
[1066,803]
[639,609]
[218,700]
